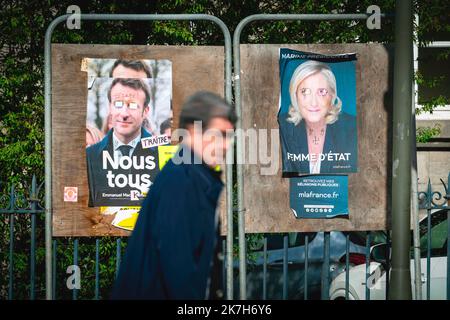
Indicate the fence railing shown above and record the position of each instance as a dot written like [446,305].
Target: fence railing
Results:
[15,204]
[294,266]
[432,200]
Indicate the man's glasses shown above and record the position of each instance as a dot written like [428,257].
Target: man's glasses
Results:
[119,104]
[320,92]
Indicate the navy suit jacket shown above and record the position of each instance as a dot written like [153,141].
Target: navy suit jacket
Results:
[340,137]
[97,176]
[173,245]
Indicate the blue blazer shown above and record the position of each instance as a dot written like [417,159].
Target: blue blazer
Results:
[340,137]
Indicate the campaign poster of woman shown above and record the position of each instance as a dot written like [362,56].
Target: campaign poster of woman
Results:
[317,113]
[128,117]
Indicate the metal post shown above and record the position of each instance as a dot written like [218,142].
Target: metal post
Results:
[347,265]
[428,250]
[237,98]
[97,266]
[306,268]
[33,238]
[285,267]
[368,241]
[48,127]
[54,270]
[448,251]
[223,264]
[414,177]
[118,255]
[325,290]
[400,287]
[75,263]
[48,158]
[229,199]
[429,207]
[388,262]
[415,212]
[11,245]
[447,196]
[265,270]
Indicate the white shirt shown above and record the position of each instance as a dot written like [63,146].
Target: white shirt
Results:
[117,143]
[314,167]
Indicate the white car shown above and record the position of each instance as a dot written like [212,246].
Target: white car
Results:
[377,269]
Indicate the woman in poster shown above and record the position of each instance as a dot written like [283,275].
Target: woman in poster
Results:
[317,136]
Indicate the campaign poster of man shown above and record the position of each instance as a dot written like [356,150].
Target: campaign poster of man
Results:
[128,116]
[317,113]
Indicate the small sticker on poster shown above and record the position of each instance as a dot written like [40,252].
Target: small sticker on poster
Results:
[318,197]
[70,194]
[155,141]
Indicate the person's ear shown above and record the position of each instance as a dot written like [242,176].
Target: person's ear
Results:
[145,111]
[335,101]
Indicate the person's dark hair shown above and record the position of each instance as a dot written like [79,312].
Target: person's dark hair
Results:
[166,124]
[136,84]
[136,65]
[203,106]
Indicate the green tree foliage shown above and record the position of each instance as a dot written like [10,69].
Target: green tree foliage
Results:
[425,134]
[23,25]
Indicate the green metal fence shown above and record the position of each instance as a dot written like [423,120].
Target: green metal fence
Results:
[99,258]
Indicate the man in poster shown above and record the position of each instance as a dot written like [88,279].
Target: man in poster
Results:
[119,169]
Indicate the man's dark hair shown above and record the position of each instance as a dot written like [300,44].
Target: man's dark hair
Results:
[136,65]
[166,124]
[136,84]
[203,106]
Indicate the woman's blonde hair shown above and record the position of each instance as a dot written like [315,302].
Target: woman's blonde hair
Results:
[303,71]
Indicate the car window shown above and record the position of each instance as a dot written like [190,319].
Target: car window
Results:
[275,241]
[439,233]
[360,237]
[357,237]
[298,239]
[436,218]
[378,237]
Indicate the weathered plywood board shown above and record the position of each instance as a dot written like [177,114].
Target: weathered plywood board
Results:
[193,69]
[266,197]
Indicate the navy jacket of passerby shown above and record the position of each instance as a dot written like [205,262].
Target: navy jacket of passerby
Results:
[171,250]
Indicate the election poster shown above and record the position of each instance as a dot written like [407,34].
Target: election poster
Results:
[99,183]
[318,197]
[128,125]
[125,217]
[317,112]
